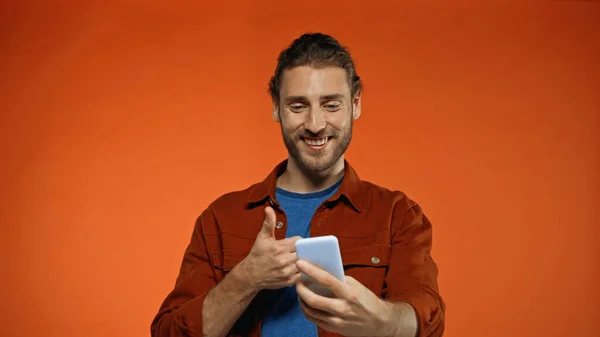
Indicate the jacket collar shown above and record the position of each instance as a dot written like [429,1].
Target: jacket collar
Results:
[349,190]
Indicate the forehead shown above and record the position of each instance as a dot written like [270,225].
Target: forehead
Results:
[314,82]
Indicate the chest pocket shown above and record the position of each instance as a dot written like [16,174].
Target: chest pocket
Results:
[233,249]
[368,264]
[225,260]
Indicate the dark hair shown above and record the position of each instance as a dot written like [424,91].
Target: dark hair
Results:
[315,50]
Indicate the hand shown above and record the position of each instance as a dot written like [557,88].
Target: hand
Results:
[354,311]
[271,263]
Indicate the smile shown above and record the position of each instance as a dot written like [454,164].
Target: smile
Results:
[316,143]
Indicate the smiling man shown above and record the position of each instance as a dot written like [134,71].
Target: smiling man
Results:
[240,275]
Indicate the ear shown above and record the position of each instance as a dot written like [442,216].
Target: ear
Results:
[356,101]
[275,112]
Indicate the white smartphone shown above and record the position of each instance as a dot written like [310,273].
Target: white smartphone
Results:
[323,252]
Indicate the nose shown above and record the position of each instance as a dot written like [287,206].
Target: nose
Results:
[315,121]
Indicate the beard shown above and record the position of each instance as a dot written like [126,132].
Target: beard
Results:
[318,161]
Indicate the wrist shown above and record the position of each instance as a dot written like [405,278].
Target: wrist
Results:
[391,319]
[243,277]
[400,320]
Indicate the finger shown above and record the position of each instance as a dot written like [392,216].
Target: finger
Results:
[268,228]
[289,244]
[339,288]
[314,313]
[294,279]
[334,306]
[290,269]
[351,281]
[322,324]
[289,258]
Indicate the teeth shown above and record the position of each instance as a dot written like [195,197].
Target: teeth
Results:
[316,142]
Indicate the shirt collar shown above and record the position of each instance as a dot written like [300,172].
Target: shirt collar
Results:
[349,190]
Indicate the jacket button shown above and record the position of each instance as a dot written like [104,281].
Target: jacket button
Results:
[279,225]
[375,260]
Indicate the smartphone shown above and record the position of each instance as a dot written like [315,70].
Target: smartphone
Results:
[323,252]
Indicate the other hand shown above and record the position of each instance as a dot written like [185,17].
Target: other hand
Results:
[353,311]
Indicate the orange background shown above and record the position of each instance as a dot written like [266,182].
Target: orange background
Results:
[121,122]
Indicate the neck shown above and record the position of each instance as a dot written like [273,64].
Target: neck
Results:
[299,180]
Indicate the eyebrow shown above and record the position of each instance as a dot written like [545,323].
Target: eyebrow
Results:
[322,98]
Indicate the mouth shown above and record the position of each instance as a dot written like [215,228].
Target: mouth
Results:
[316,143]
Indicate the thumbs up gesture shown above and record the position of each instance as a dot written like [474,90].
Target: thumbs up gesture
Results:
[271,263]
[268,229]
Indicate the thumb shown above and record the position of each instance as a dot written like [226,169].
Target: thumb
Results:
[268,228]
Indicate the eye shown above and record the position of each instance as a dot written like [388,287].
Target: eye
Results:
[332,106]
[297,107]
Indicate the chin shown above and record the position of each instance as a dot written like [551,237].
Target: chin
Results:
[319,164]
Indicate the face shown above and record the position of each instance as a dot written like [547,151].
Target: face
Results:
[316,112]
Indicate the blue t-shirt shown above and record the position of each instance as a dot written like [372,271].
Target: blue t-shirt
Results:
[286,318]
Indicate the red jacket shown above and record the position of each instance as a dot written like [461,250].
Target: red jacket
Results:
[385,241]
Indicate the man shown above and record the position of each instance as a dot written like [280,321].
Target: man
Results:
[240,275]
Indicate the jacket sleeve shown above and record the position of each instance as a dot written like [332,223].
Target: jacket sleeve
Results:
[412,273]
[181,312]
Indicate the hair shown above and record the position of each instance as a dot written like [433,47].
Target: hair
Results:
[316,50]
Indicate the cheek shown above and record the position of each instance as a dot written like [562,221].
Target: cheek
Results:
[290,134]
[291,126]
[341,121]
